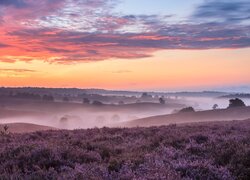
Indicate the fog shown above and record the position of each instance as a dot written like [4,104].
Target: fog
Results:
[77,116]
[206,103]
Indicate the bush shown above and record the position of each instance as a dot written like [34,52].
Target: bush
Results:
[162,100]
[236,103]
[97,103]
[187,109]
[86,101]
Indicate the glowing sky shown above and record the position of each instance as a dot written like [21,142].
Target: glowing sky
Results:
[125,44]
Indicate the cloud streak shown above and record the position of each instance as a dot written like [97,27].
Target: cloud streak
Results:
[17,70]
[234,11]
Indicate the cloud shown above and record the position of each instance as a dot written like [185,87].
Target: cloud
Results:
[17,70]
[16,73]
[15,3]
[122,71]
[3,45]
[60,31]
[67,46]
[233,11]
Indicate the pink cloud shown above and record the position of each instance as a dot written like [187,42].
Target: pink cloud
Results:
[60,31]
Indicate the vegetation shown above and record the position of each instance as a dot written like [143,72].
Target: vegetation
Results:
[199,151]
[47,98]
[236,103]
[146,95]
[4,130]
[86,101]
[238,95]
[97,103]
[215,106]
[187,109]
[162,100]
[65,99]
[121,103]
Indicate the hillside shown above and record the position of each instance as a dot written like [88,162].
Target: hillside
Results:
[218,150]
[25,127]
[238,113]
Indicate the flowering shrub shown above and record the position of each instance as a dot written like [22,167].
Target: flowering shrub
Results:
[200,151]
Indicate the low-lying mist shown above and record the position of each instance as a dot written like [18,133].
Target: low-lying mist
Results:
[77,116]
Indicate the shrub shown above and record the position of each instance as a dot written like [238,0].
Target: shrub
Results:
[114,165]
[187,109]
[236,103]
[86,101]
[162,100]
[97,103]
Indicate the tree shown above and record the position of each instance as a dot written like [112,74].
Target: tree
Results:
[5,130]
[215,106]
[121,103]
[236,103]
[144,95]
[48,98]
[162,100]
[86,101]
[97,103]
[66,99]
[187,109]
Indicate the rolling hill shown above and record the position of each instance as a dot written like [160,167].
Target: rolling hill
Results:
[238,113]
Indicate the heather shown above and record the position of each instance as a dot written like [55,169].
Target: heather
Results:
[216,150]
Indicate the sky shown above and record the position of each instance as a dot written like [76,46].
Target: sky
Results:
[161,45]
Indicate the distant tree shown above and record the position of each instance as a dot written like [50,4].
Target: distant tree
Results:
[120,102]
[86,101]
[187,109]
[144,95]
[66,99]
[97,103]
[100,119]
[26,95]
[215,106]
[63,119]
[47,98]
[115,118]
[236,103]
[162,100]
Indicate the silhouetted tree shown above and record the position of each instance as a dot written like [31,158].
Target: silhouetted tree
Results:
[48,98]
[25,95]
[162,100]
[120,102]
[215,106]
[97,103]
[144,95]
[66,99]
[236,103]
[86,101]
[187,109]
